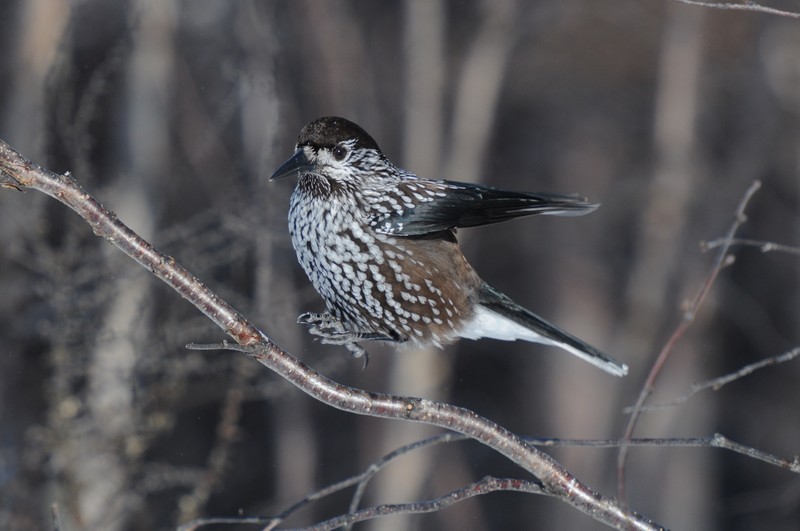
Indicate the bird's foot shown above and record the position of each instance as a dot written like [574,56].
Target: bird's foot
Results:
[324,325]
[333,331]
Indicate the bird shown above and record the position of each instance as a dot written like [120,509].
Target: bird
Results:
[379,245]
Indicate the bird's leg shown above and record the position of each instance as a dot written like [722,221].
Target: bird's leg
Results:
[334,332]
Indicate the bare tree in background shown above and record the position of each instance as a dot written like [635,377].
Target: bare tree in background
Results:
[174,113]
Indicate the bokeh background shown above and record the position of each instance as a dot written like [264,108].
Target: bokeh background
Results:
[173,113]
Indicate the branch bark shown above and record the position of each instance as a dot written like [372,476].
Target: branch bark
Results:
[19,173]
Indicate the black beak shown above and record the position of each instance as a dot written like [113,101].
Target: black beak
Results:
[299,163]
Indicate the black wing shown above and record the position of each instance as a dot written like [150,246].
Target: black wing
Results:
[422,207]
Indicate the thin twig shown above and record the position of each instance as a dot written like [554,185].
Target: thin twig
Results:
[376,467]
[222,345]
[669,346]
[556,480]
[363,478]
[717,383]
[749,6]
[484,486]
[763,246]
[221,520]
[715,441]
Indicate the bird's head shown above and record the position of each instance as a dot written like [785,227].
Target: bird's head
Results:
[333,148]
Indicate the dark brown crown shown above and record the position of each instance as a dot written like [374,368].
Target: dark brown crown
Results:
[329,131]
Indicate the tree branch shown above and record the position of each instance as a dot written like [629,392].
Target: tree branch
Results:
[484,486]
[747,6]
[18,172]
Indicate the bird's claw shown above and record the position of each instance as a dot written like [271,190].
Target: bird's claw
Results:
[333,332]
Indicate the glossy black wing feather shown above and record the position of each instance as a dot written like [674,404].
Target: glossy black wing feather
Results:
[433,206]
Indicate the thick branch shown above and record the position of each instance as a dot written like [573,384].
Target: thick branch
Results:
[18,172]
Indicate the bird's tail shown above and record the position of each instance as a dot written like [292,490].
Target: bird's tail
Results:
[499,317]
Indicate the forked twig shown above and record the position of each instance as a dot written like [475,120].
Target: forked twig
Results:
[717,383]
[669,346]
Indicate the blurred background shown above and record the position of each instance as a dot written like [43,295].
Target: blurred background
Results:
[174,113]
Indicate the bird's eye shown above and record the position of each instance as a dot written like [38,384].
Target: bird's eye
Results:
[339,152]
